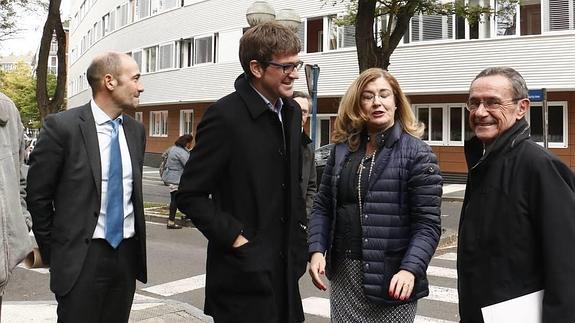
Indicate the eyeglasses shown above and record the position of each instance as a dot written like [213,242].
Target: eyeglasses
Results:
[286,68]
[490,104]
[369,97]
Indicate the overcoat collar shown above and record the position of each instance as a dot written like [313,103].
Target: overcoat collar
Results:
[255,104]
[475,155]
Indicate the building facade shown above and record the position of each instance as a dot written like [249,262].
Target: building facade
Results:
[188,54]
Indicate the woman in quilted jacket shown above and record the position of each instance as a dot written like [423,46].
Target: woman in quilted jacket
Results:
[375,222]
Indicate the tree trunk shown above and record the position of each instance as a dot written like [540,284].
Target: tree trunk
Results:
[47,104]
[367,50]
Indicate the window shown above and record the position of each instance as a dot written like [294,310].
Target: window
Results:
[137,56]
[158,123]
[151,59]
[431,27]
[112,20]
[154,6]
[132,11]
[105,24]
[432,117]
[53,64]
[169,4]
[167,56]
[340,36]
[203,50]
[506,19]
[139,116]
[185,49]
[557,123]
[122,15]
[314,35]
[186,122]
[560,14]
[445,124]
[323,129]
[90,37]
[143,8]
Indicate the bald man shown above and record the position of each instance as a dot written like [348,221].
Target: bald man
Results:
[85,196]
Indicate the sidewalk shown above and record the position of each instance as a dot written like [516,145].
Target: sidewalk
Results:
[143,311]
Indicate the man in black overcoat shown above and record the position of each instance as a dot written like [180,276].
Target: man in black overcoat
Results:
[240,186]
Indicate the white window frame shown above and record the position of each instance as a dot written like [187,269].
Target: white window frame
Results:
[183,121]
[320,117]
[146,59]
[565,105]
[159,128]
[159,56]
[195,49]
[444,121]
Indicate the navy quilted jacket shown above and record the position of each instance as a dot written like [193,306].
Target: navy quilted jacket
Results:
[401,223]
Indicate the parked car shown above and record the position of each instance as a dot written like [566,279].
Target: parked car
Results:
[321,156]
[28,150]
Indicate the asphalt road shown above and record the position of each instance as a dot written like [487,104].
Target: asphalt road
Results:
[176,264]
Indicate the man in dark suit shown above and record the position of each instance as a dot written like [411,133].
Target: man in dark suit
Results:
[85,197]
[240,186]
[308,180]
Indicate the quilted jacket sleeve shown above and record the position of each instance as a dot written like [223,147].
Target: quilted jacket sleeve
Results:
[424,191]
[322,211]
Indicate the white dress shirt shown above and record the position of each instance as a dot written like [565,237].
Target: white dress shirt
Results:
[104,130]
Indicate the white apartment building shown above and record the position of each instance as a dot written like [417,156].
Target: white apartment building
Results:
[188,55]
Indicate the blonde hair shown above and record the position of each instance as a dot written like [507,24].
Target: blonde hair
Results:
[351,120]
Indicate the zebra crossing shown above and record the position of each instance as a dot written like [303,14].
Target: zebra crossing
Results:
[442,277]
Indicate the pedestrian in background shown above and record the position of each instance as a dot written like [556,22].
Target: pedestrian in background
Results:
[377,213]
[308,181]
[15,220]
[240,186]
[177,158]
[517,225]
[85,196]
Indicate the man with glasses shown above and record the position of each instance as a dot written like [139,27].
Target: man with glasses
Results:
[240,186]
[517,226]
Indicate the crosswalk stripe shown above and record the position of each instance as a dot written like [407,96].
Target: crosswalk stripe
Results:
[453,188]
[443,294]
[178,286]
[448,256]
[424,319]
[38,270]
[319,306]
[441,272]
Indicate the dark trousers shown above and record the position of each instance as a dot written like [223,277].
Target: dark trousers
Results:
[105,288]
[173,206]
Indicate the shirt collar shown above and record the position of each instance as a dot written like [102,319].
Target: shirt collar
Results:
[279,103]
[99,115]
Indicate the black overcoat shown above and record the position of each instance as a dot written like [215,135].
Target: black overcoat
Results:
[517,227]
[242,178]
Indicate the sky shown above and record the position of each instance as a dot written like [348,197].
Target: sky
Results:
[28,39]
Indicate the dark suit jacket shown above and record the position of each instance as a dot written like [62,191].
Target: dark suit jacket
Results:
[240,179]
[64,189]
[308,180]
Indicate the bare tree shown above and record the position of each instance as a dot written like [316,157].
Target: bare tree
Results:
[50,104]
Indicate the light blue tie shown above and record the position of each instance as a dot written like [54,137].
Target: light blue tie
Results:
[115,196]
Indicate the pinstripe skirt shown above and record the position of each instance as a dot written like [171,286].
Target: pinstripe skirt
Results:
[349,304]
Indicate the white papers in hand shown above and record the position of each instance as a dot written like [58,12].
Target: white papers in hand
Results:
[523,309]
